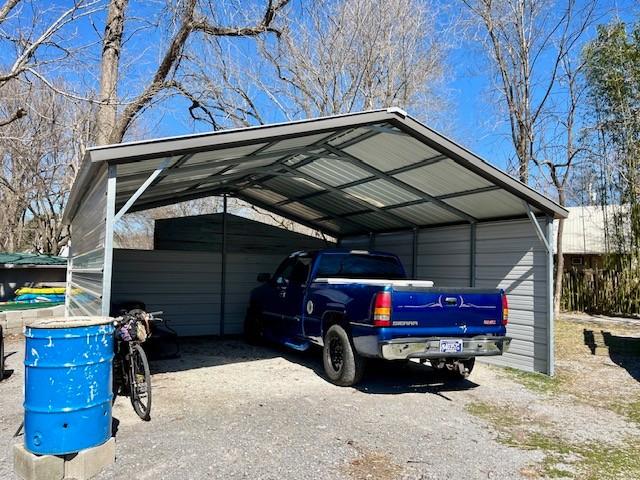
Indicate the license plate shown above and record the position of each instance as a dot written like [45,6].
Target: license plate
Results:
[450,346]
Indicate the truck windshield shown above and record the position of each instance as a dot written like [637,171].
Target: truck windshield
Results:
[359,266]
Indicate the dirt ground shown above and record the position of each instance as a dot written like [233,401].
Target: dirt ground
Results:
[227,410]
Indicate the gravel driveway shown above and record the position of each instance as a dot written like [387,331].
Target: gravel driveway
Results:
[227,410]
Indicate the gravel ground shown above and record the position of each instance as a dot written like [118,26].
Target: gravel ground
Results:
[227,410]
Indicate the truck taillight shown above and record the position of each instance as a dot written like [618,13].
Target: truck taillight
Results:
[505,309]
[382,309]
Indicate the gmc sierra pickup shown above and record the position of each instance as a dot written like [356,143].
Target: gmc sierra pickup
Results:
[357,304]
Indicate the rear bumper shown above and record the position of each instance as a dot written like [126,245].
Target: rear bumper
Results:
[480,346]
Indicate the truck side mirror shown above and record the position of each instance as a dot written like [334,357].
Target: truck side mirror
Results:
[264,277]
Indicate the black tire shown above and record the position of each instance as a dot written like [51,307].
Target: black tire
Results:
[342,364]
[1,354]
[140,383]
[252,328]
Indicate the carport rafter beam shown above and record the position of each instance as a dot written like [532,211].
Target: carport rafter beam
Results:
[141,189]
[399,183]
[320,143]
[355,183]
[359,200]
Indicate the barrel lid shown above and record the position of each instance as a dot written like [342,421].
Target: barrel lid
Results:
[68,322]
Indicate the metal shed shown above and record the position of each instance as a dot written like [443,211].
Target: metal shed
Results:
[378,178]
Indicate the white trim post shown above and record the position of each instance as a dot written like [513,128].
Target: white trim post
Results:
[112,172]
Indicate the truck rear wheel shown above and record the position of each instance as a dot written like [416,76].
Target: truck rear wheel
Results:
[342,364]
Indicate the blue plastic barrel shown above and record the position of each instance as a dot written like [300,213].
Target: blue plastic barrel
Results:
[68,384]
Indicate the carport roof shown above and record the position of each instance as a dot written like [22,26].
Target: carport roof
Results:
[365,172]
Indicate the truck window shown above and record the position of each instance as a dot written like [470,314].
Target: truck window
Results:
[359,266]
[294,270]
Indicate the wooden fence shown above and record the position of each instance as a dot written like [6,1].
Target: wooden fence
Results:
[601,291]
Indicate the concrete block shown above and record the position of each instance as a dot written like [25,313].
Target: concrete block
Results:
[31,313]
[57,311]
[36,467]
[14,323]
[88,463]
[45,312]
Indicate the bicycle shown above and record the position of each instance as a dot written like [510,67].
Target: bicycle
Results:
[131,375]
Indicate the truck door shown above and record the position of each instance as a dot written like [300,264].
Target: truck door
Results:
[293,296]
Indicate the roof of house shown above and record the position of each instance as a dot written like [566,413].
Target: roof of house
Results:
[584,229]
[30,260]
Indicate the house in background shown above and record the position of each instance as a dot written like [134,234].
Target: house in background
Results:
[29,270]
[584,240]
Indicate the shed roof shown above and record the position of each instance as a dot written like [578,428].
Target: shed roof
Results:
[364,172]
[31,260]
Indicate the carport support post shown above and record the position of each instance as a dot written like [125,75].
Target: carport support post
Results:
[472,255]
[223,264]
[550,283]
[414,254]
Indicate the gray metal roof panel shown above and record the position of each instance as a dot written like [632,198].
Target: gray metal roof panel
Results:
[371,135]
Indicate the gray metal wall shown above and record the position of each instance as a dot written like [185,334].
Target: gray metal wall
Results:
[182,277]
[184,285]
[87,251]
[509,255]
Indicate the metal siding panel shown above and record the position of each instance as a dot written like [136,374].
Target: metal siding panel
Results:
[443,177]
[443,256]
[381,193]
[425,214]
[400,244]
[185,285]
[334,172]
[223,154]
[88,229]
[291,186]
[388,151]
[510,256]
[497,203]
[335,203]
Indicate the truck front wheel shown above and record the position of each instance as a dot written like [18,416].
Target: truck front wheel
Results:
[342,364]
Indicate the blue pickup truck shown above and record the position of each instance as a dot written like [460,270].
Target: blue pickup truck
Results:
[357,305]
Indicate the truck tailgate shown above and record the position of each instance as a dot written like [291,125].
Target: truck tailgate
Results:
[443,311]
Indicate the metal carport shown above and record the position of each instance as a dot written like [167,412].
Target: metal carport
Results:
[377,178]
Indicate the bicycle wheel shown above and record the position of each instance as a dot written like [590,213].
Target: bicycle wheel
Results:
[140,382]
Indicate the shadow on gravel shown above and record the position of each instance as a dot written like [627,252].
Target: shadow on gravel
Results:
[393,379]
[624,351]
[380,377]
[210,351]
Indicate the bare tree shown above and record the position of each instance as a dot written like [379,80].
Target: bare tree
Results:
[36,36]
[527,41]
[189,19]
[533,45]
[39,161]
[334,57]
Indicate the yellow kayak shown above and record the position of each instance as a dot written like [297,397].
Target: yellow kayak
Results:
[41,291]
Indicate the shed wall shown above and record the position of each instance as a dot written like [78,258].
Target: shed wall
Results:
[509,255]
[87,251]
[182,277]
[184,285]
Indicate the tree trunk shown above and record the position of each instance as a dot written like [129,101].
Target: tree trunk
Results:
[111,48]
[557,292]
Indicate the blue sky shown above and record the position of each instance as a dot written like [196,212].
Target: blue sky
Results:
[473,116]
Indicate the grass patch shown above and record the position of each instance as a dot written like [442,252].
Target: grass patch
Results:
[563,459]
[536,382]
[630,410]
